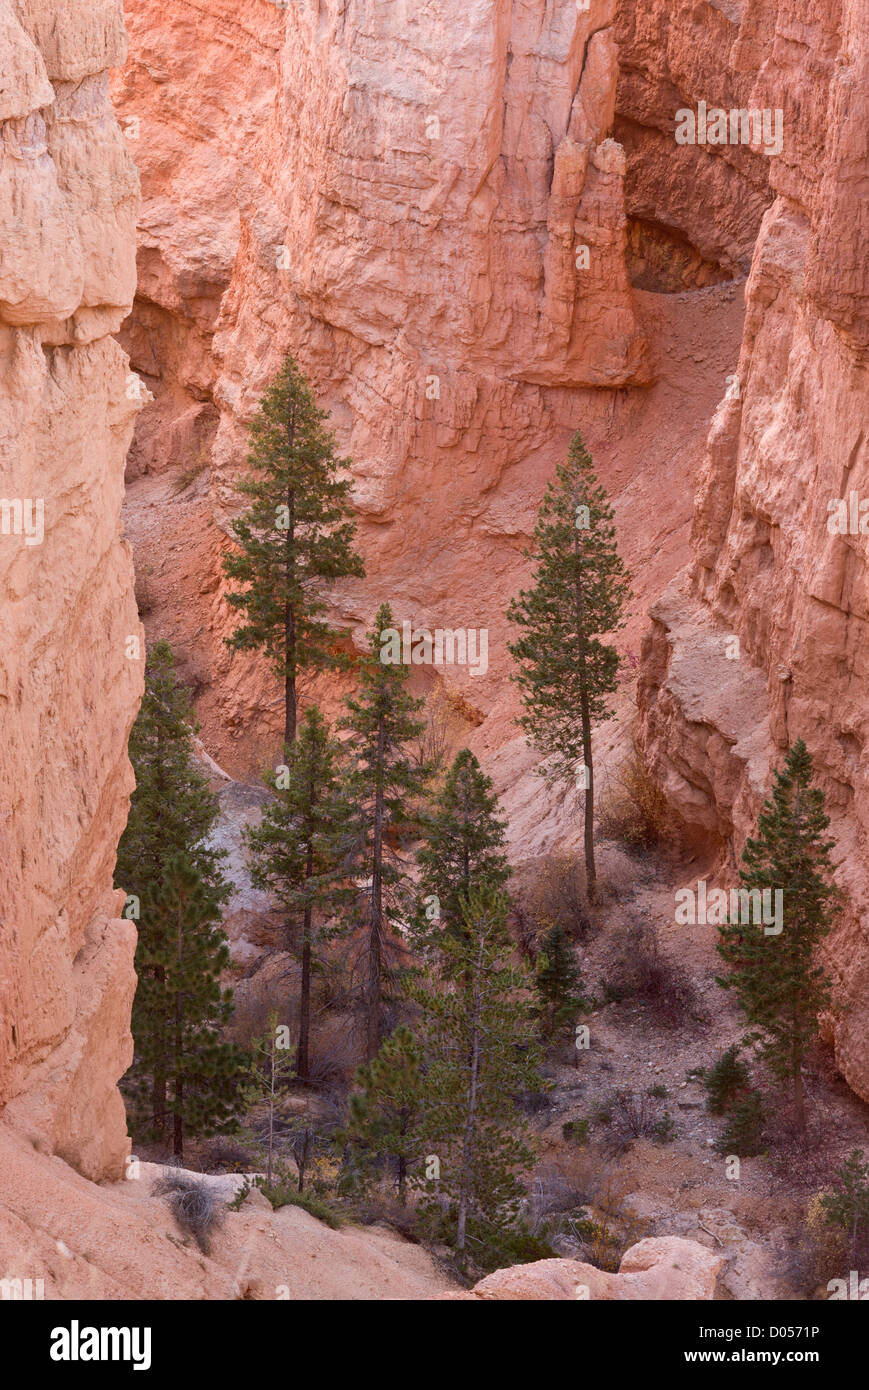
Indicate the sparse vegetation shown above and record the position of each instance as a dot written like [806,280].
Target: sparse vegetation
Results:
[847,1207]
[641,970]
[633,1116]
[633,808]
[192,1203]
[725,1080]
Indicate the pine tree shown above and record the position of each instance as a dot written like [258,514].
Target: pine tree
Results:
[385,780]
[463,847]
[386,1106]
[557,982]
[182,1071]
[270,1069]
[580,589]
[725,1081]
[848,1206]
[743,1133]
[295,539]
[480,1054]
[778,983]
[300,848]
[207,1074]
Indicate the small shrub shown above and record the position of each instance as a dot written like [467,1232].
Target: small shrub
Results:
[823,1249]
[743,1134]
[725,1081]
[223,1155]
[637,1117]
[192,1203]
[575,1131]
[612,1226]
[634,809]
[664,1131]
[282,1192]
[548,893]
[237,1202]
[641,970]
[658,1092]
[496,1247]
[847,1208]
[191,473]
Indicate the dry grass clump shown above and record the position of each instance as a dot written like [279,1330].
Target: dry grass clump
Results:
[547,893]
[192,1203]
[633,808]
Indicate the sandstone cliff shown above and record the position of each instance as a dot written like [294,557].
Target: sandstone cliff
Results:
[68,689]
[770,565]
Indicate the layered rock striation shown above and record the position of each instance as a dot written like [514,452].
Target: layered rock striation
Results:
[779,547]
[70,673]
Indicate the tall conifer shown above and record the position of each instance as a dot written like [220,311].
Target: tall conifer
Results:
[386,779]
[295,539]
[776,976]
[300,849]
[565,671]
[185,1079]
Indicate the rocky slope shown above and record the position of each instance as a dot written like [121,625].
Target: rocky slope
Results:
[119,1240]
[69,683]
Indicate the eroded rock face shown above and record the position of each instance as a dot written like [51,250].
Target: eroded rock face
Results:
[660,1269]
[68,689]
[401,199]
[778,560]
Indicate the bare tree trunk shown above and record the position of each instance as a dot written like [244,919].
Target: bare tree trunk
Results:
[302,1058]
[178,1127]
[471,1117]
[158,1081]
[374,992]
[290,711]
[590,873]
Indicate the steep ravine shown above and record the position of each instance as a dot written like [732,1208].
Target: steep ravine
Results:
[296,196]
[393,237]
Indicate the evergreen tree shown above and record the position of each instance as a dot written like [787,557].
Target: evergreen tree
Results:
[299,850]
[726,1080]
[848,1206]
[778,983]
[184,1079]
[386,1106]
[206,1074]
[480,1056]
[295,539]
[463,847]
[580,589]
[270,1069]
[743,1133]
[557,982]
[385,779]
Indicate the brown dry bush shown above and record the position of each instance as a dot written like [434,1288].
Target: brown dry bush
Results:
[549,892]
[588,1208]
[641,970]
[635,1117]
[633,807]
